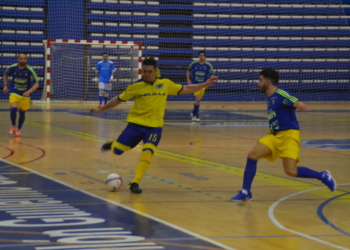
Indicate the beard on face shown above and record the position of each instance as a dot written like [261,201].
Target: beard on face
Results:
[263,89]
[22,63]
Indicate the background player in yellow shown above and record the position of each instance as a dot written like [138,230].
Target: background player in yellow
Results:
[146,118]
[198,72]
[24,82]
[284,139]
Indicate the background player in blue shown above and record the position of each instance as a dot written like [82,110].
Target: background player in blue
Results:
[283,140]
[105,74]
[146,118]
[24,82]
[198,72]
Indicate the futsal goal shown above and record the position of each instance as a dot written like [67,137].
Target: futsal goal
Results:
[70,67]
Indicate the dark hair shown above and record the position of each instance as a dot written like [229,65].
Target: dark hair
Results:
[271,75]
[104,53]
[150,62]
[202,51]
[22,54]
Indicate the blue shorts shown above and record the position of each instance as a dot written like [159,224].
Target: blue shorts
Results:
[134,133]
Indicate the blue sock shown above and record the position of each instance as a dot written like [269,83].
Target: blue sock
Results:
[195,110]
[105,99]
[249,173]
[13,115]
[22,117]
[100,98]
[304,172]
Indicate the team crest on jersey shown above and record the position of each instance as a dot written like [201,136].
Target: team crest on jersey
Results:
[159,86]
[285,102]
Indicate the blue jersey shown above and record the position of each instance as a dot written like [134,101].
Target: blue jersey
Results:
[200,72]
[22,79]
[281,111]
[105,69]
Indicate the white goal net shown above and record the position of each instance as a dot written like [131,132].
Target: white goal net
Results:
[70,68]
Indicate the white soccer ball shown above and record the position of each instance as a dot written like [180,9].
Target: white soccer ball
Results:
[114,181]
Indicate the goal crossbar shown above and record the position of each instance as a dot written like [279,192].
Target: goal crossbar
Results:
[46,98]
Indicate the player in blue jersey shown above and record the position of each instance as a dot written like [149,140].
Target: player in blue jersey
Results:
[105,74]
[283,140]
[24,82]
[146,118]
[198,72]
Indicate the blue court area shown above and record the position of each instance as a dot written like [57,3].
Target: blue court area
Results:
[42,214]
[322,216]
[327,143]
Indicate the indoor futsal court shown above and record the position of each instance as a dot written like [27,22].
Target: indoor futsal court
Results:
[53,194]
[185,203]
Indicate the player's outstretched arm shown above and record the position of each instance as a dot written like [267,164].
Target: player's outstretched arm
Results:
[111,104]
[300,106]
[188,89]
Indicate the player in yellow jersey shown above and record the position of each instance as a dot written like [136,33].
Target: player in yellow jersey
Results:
[146,118]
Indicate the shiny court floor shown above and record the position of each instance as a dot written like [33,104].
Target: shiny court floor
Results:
[53,196]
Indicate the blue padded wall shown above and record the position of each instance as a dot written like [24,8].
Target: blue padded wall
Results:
[318,71]
[22,29]
[66,19]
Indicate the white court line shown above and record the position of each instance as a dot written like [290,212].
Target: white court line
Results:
[125,207]
[276,222]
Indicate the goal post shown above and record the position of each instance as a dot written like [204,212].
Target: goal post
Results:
[70,67]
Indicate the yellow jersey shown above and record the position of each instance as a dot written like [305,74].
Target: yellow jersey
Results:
[150,101]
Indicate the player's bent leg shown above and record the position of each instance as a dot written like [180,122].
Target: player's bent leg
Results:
[119,148]
[248,177]
[116,147]
[290,166]
[258,151]
[324,176]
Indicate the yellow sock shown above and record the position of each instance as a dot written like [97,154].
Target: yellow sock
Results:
[142,166]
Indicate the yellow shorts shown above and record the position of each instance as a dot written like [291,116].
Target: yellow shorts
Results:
[284,144]
[23,102]
[199,92]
